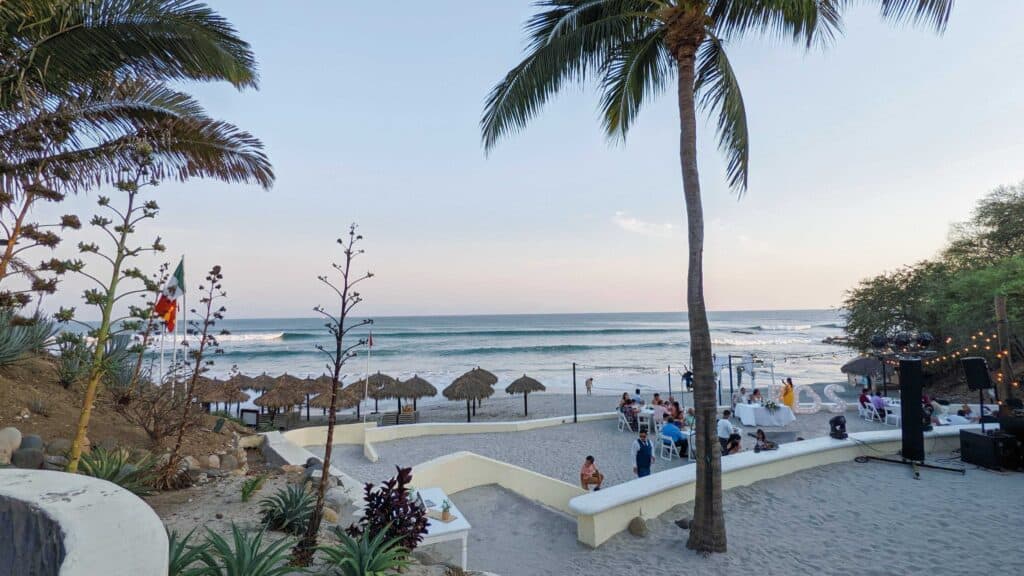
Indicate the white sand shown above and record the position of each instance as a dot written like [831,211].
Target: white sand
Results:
[557,451]
[845,518]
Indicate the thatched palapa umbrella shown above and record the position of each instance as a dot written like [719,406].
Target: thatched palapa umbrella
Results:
[279,398]
[210,391]
[346,399]
[467,387]
[241,381]
[414,388]
[378,386]
[524,386]
[262,383]
[236,396]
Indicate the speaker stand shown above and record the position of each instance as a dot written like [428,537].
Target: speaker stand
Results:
[916,465]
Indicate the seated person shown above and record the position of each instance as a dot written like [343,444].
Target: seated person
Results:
[755,397]
[739,397]
[671,430]
[659,412]
[733,445]
[657,399]
[966,412]
[762,442]
[675,411]
[623,401]
[864,399]
[879,403]
[958,419]
[590,475]
[725,429]
[690,420]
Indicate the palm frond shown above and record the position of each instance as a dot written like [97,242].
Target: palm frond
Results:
[806,21]
[571,40]
[636,72]
[57,45]
[719,92]
[934,13]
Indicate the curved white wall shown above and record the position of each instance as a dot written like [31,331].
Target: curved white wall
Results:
[107,530]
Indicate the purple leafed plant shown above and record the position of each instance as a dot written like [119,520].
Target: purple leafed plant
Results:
[390,508]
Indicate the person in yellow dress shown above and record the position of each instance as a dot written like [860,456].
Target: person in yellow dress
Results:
[787,393]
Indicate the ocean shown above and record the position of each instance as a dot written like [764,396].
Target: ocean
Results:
[619,351]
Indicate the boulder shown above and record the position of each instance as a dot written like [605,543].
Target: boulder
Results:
[253,441]
[330,516]
[638,527]
[5,456]
[32,442]
[58,462]
[25,414]
[58,447]
[29,458]
[336,498]
[107,444]
[191,462]
[228,462]
[213,462]
[10,438]
[314,463]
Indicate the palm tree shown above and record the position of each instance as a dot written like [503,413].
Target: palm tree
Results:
[634,47]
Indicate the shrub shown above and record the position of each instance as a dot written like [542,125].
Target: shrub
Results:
[288,510]
[248,556]
[74,358]
[366,555]
[21,336]
[389,510]
[183,557]
[116,466]
[251,486]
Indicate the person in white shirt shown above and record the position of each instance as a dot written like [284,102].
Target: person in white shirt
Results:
[739,397]
[725,428]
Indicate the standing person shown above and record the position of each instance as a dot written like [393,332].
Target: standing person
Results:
[590,475]
[788,397]
[748,366]
[688,379]
[590,385]
[725,429]
[637,398]
[643,455]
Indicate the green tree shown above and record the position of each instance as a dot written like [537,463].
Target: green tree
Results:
[634,47]
[995,230]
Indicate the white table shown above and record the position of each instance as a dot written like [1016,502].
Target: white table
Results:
[757,415]
[438,531]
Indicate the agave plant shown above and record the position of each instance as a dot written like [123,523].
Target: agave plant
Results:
[247,556]
[73,360]
[22,336]
[116,466]
[367,555]
[288,510]
[183,557]
[252,485]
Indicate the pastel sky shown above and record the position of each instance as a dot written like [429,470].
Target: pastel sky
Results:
[862,156]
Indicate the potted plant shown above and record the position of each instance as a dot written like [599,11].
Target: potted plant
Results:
[446,511]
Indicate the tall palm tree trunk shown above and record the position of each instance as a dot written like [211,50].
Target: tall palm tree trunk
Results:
[707,531]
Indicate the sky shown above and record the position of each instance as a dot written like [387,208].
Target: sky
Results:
[862,155]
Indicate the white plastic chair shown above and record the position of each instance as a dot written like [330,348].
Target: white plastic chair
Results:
[643,422]
[668,448]
[862,412]
[873,415]
[892,413]
[624,423]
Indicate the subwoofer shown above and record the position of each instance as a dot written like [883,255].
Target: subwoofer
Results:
[911,414]
[994,450]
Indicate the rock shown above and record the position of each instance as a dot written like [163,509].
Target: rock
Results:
[228,462]
[336,498]
[107,444]
[59,447]
[314,463]
[213,461]
[219,516]
[638,527]
[254,441]
[28,458]
[52,462]
[5,456]
[25,414]
[292,468]
[330,516]
[10,438]
[192,463]
[683,523]
[32,441]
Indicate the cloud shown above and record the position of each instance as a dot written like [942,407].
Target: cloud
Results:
[637,226]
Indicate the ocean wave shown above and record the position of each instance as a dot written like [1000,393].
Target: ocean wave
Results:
[526,332]
[747,342]
[831,325]
[267,336]
[782,327]
[557,348]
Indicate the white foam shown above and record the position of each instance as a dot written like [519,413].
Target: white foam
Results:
[251,337]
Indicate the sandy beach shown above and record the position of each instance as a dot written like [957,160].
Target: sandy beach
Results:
[869,518]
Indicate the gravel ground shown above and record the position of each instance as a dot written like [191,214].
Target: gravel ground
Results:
[814,521]
[557,451]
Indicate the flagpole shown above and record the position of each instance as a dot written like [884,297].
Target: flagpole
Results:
[162,334]
[366,380]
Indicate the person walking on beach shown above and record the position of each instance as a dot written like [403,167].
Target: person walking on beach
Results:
[643,455]
[590,385]
[590,475]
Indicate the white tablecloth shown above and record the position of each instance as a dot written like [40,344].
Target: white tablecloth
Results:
[757,415]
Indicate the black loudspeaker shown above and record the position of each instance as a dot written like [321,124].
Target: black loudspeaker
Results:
[911,415]
[996,450]
[976,372]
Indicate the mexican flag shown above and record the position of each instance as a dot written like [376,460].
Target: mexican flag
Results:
[167,305]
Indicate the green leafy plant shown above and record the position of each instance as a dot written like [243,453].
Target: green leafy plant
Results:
[183,557]
[21,336]
[365,555]
[251,486]
[73,361]
[246,555]
[288,510]
[117,466]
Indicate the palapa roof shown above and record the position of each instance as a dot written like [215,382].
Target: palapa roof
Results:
[280,398]
[317,385]
[240,381]
[483,375]
[525,385]
[468,387]
[380,386]
[209,390]
[286,380]
[866,366]
[235,395]
[415,387]
[262,383]
[346,399]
